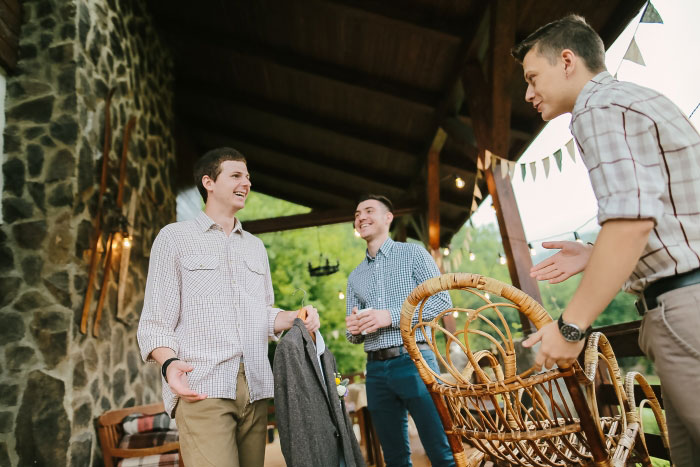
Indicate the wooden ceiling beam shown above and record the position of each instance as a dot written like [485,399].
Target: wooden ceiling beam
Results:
[312,173]
[413,15]
[312,219]
[194,90]
[295,190]
[217,48]
[272,144]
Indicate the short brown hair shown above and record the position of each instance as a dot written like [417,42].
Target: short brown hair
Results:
[382,199]
[570,32]
[210,164]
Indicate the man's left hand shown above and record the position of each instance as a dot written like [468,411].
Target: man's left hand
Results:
[554,349]
[312,321]
[373,320]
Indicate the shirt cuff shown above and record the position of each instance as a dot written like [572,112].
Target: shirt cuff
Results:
[271,316]
[155,342]
[395,317]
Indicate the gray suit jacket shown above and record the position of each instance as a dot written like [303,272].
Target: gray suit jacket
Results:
[313,423]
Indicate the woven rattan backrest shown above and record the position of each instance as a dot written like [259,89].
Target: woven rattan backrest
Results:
[519,418]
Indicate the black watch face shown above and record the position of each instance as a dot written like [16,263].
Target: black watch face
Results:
[571,333]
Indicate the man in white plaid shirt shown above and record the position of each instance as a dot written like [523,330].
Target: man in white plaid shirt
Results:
[376,290]
[643,158]
[207,318]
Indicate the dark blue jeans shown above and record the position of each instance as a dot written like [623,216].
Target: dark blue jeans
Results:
[393,387]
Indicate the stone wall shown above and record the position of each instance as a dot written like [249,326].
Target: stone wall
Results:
[54,381]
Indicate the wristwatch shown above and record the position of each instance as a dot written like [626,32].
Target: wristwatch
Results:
[571,332]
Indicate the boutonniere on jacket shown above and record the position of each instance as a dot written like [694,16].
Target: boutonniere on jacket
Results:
[341,385]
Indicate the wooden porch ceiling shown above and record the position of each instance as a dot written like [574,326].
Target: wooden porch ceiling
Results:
[332,99]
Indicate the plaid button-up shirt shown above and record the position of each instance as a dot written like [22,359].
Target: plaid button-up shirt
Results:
[384,282]
[209,298]
[643,157]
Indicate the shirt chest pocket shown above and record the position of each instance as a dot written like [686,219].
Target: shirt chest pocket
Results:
[254,276]
[201,276]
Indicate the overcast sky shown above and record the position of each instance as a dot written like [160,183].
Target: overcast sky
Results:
[562,203]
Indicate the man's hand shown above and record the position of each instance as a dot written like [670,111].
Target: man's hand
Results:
[373,320]
[352,322]
[177,380]
[554,349]
[312,321]
[570,260]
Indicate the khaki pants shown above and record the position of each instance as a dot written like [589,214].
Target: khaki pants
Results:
[223,432]
[670,337]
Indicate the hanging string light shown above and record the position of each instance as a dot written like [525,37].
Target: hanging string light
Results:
[455,314]
[501,258]
[532,249]
[488,297]
[357,234]
[341,295]
[446,251]
[460,183]
[472,256]
[577,237]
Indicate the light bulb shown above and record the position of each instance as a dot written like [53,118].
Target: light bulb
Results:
[488,297]
[455,314]
[341,295]
[446,252]
[126,242]
[472,256]
[532,249]
[459,182]
[577,237]
[501,259]
[357,234]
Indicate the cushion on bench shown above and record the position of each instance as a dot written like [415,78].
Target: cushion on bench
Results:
[159,460]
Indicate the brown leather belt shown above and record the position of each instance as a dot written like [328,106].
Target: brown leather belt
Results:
[648,299]
[393,352]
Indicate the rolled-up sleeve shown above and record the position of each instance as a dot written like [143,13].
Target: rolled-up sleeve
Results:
[622,150]
[161,305]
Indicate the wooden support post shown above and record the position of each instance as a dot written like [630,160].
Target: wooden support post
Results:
[490,108]
[433,190]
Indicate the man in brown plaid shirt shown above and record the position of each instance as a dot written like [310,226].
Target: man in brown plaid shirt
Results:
[207,318]
[643,158]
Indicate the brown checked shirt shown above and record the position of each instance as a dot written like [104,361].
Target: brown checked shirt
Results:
[209,298]
[643,157]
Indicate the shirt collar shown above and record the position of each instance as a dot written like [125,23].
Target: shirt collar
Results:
[604,77]
[384,249]
[204,222]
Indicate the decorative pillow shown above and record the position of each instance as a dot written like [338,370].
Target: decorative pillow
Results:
[140,423]
[148,440]
[159,460]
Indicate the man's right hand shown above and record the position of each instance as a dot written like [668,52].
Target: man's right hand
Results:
[177,380]
[570,260]
[352,322]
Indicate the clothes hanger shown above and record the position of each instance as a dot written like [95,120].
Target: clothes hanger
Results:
[302,313]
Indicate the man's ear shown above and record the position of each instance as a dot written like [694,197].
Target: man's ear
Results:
[389,216]
[570,59]
[207,182]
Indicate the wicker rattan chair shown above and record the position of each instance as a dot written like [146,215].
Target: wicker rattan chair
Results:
[526,419]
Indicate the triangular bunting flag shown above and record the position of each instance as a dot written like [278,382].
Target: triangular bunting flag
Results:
[557,158]
[479,164]
[504,168]
[477,192]
[511,169]
[474,205]
[570,148]
[545,163]
[523,170]
[533,170]
[487,160]
[651,15]
[633,54]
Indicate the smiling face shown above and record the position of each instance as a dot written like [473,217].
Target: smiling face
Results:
[231,187]
[548,86]
[372,219]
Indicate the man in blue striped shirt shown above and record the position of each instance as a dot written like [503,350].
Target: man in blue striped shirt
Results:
[376,290]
